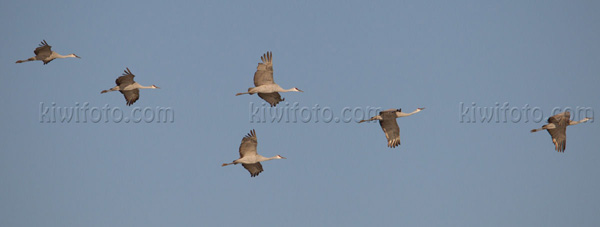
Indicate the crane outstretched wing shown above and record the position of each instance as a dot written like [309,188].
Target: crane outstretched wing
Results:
[559,132]
[264,70]
[388,110]
[43,51]
[559,137]
[248,145]
[271,98]
[390,128]
[254,169]
[131,96]
[46,62]
[125,79]
[561,118]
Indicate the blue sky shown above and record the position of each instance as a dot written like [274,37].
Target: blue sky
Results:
[388,54]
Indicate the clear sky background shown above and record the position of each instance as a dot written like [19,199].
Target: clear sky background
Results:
[388,54]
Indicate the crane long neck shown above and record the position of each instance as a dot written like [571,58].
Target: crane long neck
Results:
[144,87]
[280,89]
[64,56]
[401,114]
[263,158]
[580,121]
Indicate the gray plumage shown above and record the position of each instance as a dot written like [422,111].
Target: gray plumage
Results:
[45,54]
[557,128]
[264,76]
[264,70]
[128,87]
[390,127]
[387,121]
[264,84]
[254,169]
[249,158]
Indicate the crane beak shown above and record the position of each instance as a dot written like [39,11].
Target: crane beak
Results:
[76,56]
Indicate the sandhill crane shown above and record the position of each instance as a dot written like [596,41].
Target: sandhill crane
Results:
[45,54]
[557,127]
[387,120]
[128,87]
[266,88]
[248,156]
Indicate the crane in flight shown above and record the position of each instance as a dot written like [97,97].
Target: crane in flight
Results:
[557,127]
[129,88]
[45,54]
[264,84]
[387,120]
[249,159]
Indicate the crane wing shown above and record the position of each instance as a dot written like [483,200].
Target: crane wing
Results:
[248,145]
[254,169]
[559,132]
[264,70]
[125,79]
[131,96]
[559,137]
[43,51]
[390,128]
[388,110]
[561,118]
[46,62]
[271,98]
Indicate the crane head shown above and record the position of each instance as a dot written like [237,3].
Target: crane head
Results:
[74,55]
[298,90]
[280,157]
[155,87]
